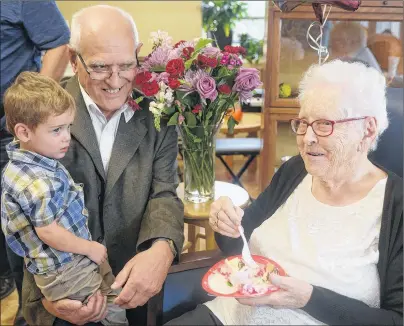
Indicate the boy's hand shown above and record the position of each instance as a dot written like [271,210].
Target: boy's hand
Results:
[97,252]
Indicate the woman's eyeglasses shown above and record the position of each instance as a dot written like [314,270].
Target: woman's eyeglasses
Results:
[102,72]
[321,127]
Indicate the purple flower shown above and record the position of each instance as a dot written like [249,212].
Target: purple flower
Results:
[247,79]
[162,77]
[191,79]
[159,58]
[244,96]
[206,87]
[211,51]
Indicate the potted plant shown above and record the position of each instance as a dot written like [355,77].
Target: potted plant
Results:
[219,18]
[254,48]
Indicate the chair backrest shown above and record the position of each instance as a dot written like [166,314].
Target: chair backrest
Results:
[389,152]
[182,290]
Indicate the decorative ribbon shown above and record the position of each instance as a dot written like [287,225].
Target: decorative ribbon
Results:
[317,43]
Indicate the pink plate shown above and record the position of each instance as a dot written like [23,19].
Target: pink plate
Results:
[259,259]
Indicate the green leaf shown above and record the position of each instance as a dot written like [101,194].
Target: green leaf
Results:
[140,99]
[229,283]
[202,43]
[231,123]
[169,110]
[223,71]
[185,100]
[190,119]
[173,120]
[188,63]
[207,118]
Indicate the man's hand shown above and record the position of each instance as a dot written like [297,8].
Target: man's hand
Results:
[293,293]
[97,252]
[143,276]
[77,313]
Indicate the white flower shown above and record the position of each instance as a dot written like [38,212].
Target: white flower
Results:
[160,106]
[169,95]
[160,38]
[155,111]
[160,96]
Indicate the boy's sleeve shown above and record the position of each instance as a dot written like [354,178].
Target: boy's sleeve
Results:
[44,24]
[42,201]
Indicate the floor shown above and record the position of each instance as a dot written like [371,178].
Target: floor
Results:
[8,308]
[286,147]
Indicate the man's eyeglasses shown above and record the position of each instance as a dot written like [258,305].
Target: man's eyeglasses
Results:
[102,72]
[321,127]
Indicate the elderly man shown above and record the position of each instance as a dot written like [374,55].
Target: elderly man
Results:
[128,170]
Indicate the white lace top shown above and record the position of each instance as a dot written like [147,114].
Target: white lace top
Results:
[332,247]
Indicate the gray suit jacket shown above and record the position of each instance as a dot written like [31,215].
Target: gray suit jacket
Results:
[134,203]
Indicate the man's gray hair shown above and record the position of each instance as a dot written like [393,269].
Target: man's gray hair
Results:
[76,25]
[362,89]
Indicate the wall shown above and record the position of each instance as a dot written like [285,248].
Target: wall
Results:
[181,19]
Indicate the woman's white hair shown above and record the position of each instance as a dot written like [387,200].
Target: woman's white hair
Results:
[362,89]
[75,33]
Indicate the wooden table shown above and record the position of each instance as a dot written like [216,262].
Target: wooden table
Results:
[197,215]
[251,124]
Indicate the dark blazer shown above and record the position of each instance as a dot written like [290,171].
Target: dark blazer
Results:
[134,203]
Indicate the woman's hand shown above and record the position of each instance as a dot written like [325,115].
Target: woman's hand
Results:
[293,293]
[225,218]
[77,313]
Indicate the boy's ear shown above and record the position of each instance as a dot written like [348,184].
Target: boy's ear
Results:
[22,132]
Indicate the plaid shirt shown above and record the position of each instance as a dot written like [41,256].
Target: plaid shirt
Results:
[36,191]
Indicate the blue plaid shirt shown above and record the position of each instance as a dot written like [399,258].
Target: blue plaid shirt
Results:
[37,191]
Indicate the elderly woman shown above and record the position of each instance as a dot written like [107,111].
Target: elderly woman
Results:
[330,217]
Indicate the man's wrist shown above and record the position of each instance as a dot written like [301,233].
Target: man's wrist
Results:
[170,244]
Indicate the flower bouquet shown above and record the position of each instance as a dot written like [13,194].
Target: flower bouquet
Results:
[193,85]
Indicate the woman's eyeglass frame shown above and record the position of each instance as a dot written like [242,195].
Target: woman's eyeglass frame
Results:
[332,122]
[110,71]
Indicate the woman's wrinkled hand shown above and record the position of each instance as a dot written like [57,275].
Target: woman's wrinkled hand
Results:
[225,218]
[77,313]
[293,294]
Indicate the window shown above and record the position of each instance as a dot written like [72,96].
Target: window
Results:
[254,25]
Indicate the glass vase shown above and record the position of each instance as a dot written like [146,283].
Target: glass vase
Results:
[198,152]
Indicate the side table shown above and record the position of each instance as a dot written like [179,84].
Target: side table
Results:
[197,215]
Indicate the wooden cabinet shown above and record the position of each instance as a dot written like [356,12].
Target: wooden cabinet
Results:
[289,55]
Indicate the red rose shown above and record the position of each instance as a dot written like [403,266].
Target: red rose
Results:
[150,88]
[212,62]
[197,108]
[142,77]
[175,67]
[173,83]
[224,89]
[187,52]
[242,50]
[176,45]
[203,61]
[235,49]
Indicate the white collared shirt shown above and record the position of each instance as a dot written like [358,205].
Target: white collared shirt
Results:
[105,130]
